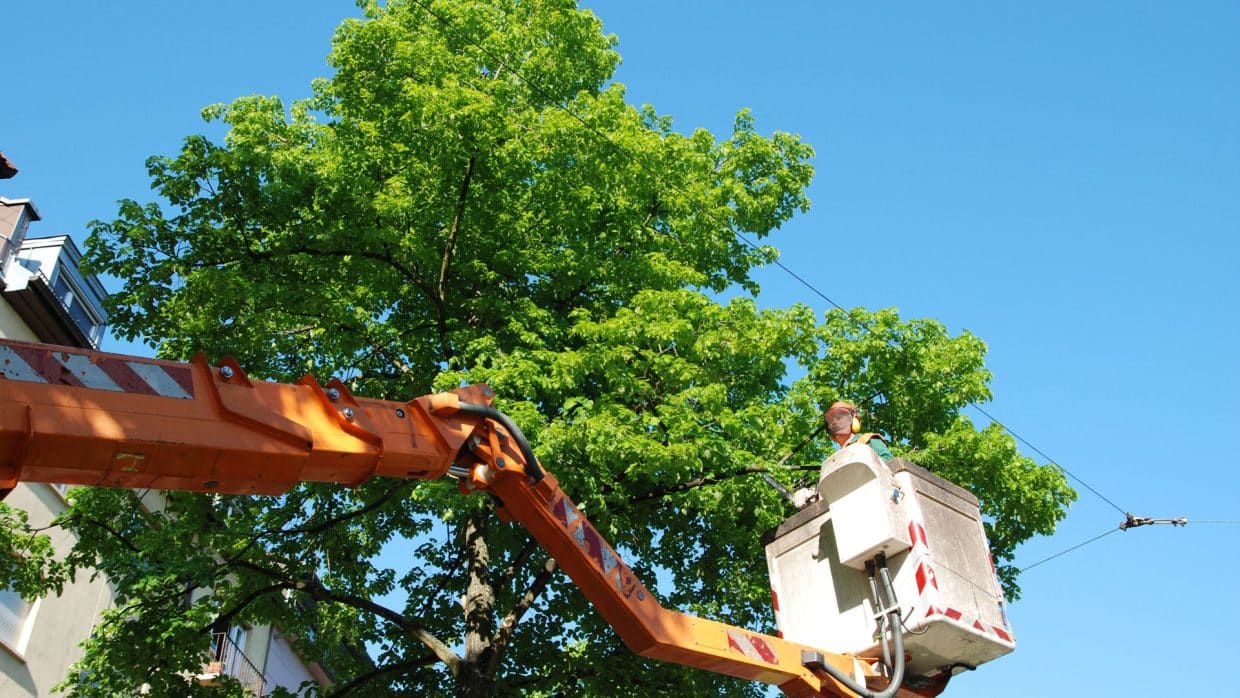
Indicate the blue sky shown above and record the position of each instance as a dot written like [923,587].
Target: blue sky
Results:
[1061,179]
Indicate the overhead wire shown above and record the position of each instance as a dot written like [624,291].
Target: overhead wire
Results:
[1065,552]
[1049,460]
[545,94]
[1130,521]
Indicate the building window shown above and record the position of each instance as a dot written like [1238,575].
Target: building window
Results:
[71,298]
[239,634]
[15,617]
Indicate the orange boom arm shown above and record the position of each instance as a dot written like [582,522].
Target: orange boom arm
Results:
[90,418]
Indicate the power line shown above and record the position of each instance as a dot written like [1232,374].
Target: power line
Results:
[1221,522]
[447,23]
[1054,463]
[1065,552]
[797,276]
[1130,521]
[1042,453]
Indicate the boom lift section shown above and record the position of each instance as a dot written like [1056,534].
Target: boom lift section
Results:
[91,418]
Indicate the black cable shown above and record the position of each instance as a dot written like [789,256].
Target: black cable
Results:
[805,442]
[1022,570]
[532,467]
[657,175]
[974,405]
[804,283]
[1050,460]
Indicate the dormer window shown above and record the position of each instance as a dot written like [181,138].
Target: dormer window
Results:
[61,305]
[71,297]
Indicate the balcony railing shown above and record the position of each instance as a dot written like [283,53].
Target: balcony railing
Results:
[229,660]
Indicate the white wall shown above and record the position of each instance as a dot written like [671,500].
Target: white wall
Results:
[284,668]
[58,624]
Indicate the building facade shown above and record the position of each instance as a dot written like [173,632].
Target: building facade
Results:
[45,298]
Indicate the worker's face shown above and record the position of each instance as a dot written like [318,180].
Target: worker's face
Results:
[839,422]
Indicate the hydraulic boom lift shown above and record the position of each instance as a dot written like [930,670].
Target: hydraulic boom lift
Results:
[90,418]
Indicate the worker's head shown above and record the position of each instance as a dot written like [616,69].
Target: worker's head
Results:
[842,422]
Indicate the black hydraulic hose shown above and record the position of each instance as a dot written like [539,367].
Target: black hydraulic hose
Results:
[897,636]
[897,632]
[532,468]
[878,603]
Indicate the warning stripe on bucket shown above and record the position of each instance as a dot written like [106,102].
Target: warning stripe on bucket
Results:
[970,621]
[34,365]
[928,587]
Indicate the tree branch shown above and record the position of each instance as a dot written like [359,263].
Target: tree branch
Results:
[509,624]
[226,617]
[378,672]
[454,230]
[407,272]
[510,572]
[444,579]
[115,534]
[316,590]
[348,515]
[665,490]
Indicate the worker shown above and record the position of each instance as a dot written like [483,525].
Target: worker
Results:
[845,429]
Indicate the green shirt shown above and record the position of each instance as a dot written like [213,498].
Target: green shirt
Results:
[880,447]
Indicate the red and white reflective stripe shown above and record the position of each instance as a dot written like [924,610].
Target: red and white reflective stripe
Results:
[927,582]
[977,625]
[926,578]
[917,534]
[22,363]
[928,585]
[752,646]
[779,618]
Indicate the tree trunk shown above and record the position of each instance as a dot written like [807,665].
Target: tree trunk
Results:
[474,678]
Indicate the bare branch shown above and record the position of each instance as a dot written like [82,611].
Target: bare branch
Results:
[379,672]
[115,534]
[509,624]
[454,230]
[665,490]
[348,515]
[386,256]
[316,590]
[514,567]
[226,617]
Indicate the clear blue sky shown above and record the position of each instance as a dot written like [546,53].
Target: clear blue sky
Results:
[1060,178]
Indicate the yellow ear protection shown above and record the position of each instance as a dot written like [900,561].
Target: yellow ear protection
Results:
[840,408]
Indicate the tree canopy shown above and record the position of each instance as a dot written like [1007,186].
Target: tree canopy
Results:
[469,198]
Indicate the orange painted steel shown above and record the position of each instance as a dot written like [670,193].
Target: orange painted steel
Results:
[91,418]
[232,435]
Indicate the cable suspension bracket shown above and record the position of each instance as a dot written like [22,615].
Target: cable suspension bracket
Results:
[1135,521]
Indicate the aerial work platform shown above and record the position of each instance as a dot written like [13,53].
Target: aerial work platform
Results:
[930,532]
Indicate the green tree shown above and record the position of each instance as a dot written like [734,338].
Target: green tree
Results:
[469,198]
